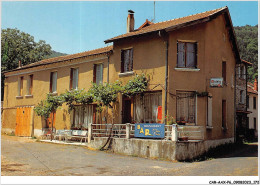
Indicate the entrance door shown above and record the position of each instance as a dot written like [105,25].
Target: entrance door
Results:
[49,120]
[23,120]
[127,110]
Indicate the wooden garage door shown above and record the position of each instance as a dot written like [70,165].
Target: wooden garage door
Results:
[23,120]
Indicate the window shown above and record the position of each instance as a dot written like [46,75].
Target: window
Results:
[224,114]
[247,101]
[242,97]
[244,72]
[74,78]
[20,86]
[126,60]
[186,107]
[82,116]
[186,55]
[30,85]
[254,102]
[146,108]
[53,82]
[224,72]
[98,73]
[238,72]
[254,123]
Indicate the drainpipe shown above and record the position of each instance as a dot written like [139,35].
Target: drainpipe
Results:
[163,34]
[166,78]
[235,106]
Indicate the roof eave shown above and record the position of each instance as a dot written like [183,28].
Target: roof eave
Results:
[62,60]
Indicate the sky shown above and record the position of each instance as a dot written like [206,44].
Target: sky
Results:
[77,26]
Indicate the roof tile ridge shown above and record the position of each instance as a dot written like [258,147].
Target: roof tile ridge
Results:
[219,9]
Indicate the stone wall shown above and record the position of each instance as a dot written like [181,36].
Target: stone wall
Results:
[159,149]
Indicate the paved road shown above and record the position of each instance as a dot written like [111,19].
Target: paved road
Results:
[22,156]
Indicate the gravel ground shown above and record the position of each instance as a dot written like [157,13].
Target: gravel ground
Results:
[26,157]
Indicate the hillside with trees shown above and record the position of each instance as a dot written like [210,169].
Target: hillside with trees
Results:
[247,40]
[54,54]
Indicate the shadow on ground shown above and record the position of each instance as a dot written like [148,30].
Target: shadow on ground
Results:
[229,151]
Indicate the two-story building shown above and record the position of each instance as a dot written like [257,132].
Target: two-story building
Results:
[191,62]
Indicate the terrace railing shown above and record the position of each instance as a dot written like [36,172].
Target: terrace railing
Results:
[172,132]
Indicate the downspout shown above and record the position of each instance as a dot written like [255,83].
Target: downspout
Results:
[235,106]
[166,78]
[163,34]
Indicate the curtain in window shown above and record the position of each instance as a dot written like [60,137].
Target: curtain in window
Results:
[145,108]
[82,116]
[186,107]
[191,55]
[127,60]
[75,79]
[181,54]
[99,73]
[54,81]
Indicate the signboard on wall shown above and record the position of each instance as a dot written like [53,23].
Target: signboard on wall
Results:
[149,130]
[216,82]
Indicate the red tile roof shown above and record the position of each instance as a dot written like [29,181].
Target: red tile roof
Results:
[68,57]
[249,63]
[167,24]
[250,88]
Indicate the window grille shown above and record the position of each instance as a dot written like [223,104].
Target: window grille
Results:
[186,107]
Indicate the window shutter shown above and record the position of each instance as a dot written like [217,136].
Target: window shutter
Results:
[131,60]
[196,54]
[101,73]
[71,78]
[177,54]
[51,76]
[94,73]
[122,61]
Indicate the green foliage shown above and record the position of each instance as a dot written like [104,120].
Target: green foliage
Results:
[105,94]
[54,54]
[77,97]
[17,45]
[136,86]
[170,120]
[247,41]
[46,107]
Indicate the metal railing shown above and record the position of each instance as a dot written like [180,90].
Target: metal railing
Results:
[128,130]
[103,130]
[191,132]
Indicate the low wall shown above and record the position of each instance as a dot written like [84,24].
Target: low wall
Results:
[156,149]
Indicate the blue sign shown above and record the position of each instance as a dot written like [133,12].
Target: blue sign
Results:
[149,130]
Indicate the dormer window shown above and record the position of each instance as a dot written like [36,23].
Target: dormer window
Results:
[186,54]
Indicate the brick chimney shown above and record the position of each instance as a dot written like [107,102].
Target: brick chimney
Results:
[255,85]
[130,25]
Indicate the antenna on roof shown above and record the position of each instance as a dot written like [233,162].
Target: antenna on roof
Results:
[153,20]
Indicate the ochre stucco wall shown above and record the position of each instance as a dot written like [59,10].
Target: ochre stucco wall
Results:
[41,86]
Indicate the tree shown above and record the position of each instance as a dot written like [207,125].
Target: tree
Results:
[48,106]
[247,41]
[20,46]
